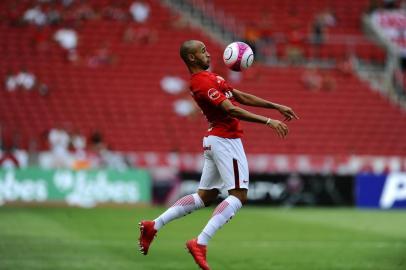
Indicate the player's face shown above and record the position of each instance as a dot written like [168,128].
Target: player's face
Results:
[202,56]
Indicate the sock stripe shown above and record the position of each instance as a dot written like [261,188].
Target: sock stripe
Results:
[220,208]
[187,200]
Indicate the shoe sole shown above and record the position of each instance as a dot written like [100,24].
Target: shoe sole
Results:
[141,248]
[190,252]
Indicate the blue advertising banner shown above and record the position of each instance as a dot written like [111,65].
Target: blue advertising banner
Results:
[381,191]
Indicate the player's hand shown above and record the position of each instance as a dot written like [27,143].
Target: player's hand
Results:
[280,127]
[287,112]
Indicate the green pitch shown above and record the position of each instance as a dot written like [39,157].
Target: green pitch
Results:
[257,238]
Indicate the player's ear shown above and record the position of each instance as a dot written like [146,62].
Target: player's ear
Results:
[191,57]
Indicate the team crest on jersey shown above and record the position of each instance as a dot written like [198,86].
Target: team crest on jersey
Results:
[213,93]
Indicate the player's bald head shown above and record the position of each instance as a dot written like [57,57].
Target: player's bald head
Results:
[189,47]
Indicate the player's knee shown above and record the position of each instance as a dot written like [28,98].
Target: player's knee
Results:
[241,194]
[208,196]
[243,199]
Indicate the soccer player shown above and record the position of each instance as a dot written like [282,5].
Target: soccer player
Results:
[225,165]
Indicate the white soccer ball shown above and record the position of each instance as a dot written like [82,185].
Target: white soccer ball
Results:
[238,56]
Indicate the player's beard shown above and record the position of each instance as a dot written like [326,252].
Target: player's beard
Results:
[204,64]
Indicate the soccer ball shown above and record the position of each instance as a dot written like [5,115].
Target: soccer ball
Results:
[238,56]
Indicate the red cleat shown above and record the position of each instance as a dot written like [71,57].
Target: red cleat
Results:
[198,252]
[147,234]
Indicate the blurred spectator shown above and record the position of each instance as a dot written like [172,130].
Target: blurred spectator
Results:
[78,142]
[265,26]
[251,36]
[318,30]
[54,16]
[67,3]
[294,48]
[345,66]
[13,15]
[184,107]
[129,34]
[10,156]
[41,38]
[43,89]
[140,35]
[67,38]
[84,11]
[266,41]
[311,79]
[314,80]
[329,18]
[97,141]
[59,143]
[293,20]
[11,82]
[96,147]
[102,57]
[26,80]
[80,159]
[115,12]
[173,84]
[139,10]
[35,16]
[8,160]
[177,21]
[328,82]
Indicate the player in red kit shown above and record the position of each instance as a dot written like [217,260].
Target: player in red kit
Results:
[225,165]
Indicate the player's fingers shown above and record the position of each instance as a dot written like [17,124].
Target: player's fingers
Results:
[290,113]
[279,131]
[282,130]
[294,115]
[285,129]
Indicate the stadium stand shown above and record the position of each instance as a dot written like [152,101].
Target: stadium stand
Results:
[286,16]
[124,100]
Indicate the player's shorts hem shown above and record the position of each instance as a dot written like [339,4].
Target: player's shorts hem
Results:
[209,188]
[234,187]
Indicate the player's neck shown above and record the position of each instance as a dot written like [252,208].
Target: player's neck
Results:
[194,70]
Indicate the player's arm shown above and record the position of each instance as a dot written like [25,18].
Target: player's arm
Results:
[237,112]
[251,100]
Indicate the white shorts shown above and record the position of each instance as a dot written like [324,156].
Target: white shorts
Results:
[225,164]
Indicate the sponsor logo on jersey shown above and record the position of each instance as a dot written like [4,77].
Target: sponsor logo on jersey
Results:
[229,94]
[213,93]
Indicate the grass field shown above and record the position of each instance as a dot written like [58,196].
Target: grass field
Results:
[257,238]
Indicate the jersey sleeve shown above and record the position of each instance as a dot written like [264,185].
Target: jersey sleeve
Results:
[210,92]
[225,85]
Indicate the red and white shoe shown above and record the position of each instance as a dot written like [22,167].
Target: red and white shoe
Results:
[198,252]
[147,234]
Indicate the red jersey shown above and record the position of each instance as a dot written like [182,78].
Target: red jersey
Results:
[209,90]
